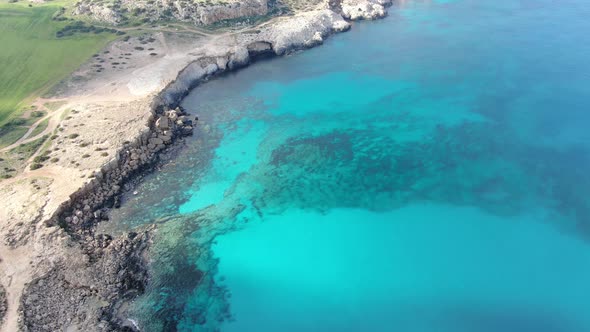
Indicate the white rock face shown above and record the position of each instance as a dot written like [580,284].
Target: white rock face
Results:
[239,57]
[364,9]
[98,13]
[317,37]
[303,30]
[189,76]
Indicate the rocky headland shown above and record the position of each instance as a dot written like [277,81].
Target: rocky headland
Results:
[58,272]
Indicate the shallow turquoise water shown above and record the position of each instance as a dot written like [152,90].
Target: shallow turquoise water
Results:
[419,268]
[426,172]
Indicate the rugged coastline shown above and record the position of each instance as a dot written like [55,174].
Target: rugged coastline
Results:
[85,286]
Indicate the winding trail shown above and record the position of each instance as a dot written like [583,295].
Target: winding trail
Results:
[52,115]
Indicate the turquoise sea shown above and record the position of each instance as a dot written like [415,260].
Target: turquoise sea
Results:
[429,172]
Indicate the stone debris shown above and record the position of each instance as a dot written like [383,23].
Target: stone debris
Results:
[3,305]
[364,9]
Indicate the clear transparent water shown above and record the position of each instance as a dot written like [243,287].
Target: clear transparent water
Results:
[426,172]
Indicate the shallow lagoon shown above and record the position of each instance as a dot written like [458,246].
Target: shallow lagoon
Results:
[426,172]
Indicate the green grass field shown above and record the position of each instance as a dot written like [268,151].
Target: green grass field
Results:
[32,58]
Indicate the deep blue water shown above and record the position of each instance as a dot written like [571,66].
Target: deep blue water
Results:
[424,173]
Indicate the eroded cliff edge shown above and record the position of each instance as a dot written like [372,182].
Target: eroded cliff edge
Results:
[77,279]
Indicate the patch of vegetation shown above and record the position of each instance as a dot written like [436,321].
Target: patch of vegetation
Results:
[79,27]
[37,114]
[10,134]
[41,159]
[14,129]
[28,149]
[14,160]
[35,166]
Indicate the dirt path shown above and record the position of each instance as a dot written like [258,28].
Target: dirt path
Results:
[54,119]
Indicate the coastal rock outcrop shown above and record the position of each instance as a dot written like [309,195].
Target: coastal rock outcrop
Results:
[260,50]
[86,207]
[189,77]
[364,9]
[239,57]
[85,295]
[303,30]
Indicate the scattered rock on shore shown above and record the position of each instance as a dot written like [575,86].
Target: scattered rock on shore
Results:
[364,9]
[3,306]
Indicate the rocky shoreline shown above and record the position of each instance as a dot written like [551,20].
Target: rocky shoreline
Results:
[88,289]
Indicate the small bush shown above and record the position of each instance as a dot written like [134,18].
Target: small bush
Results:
[72,136]
[86,156]
[40,159]
[36,166]
[16,122]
